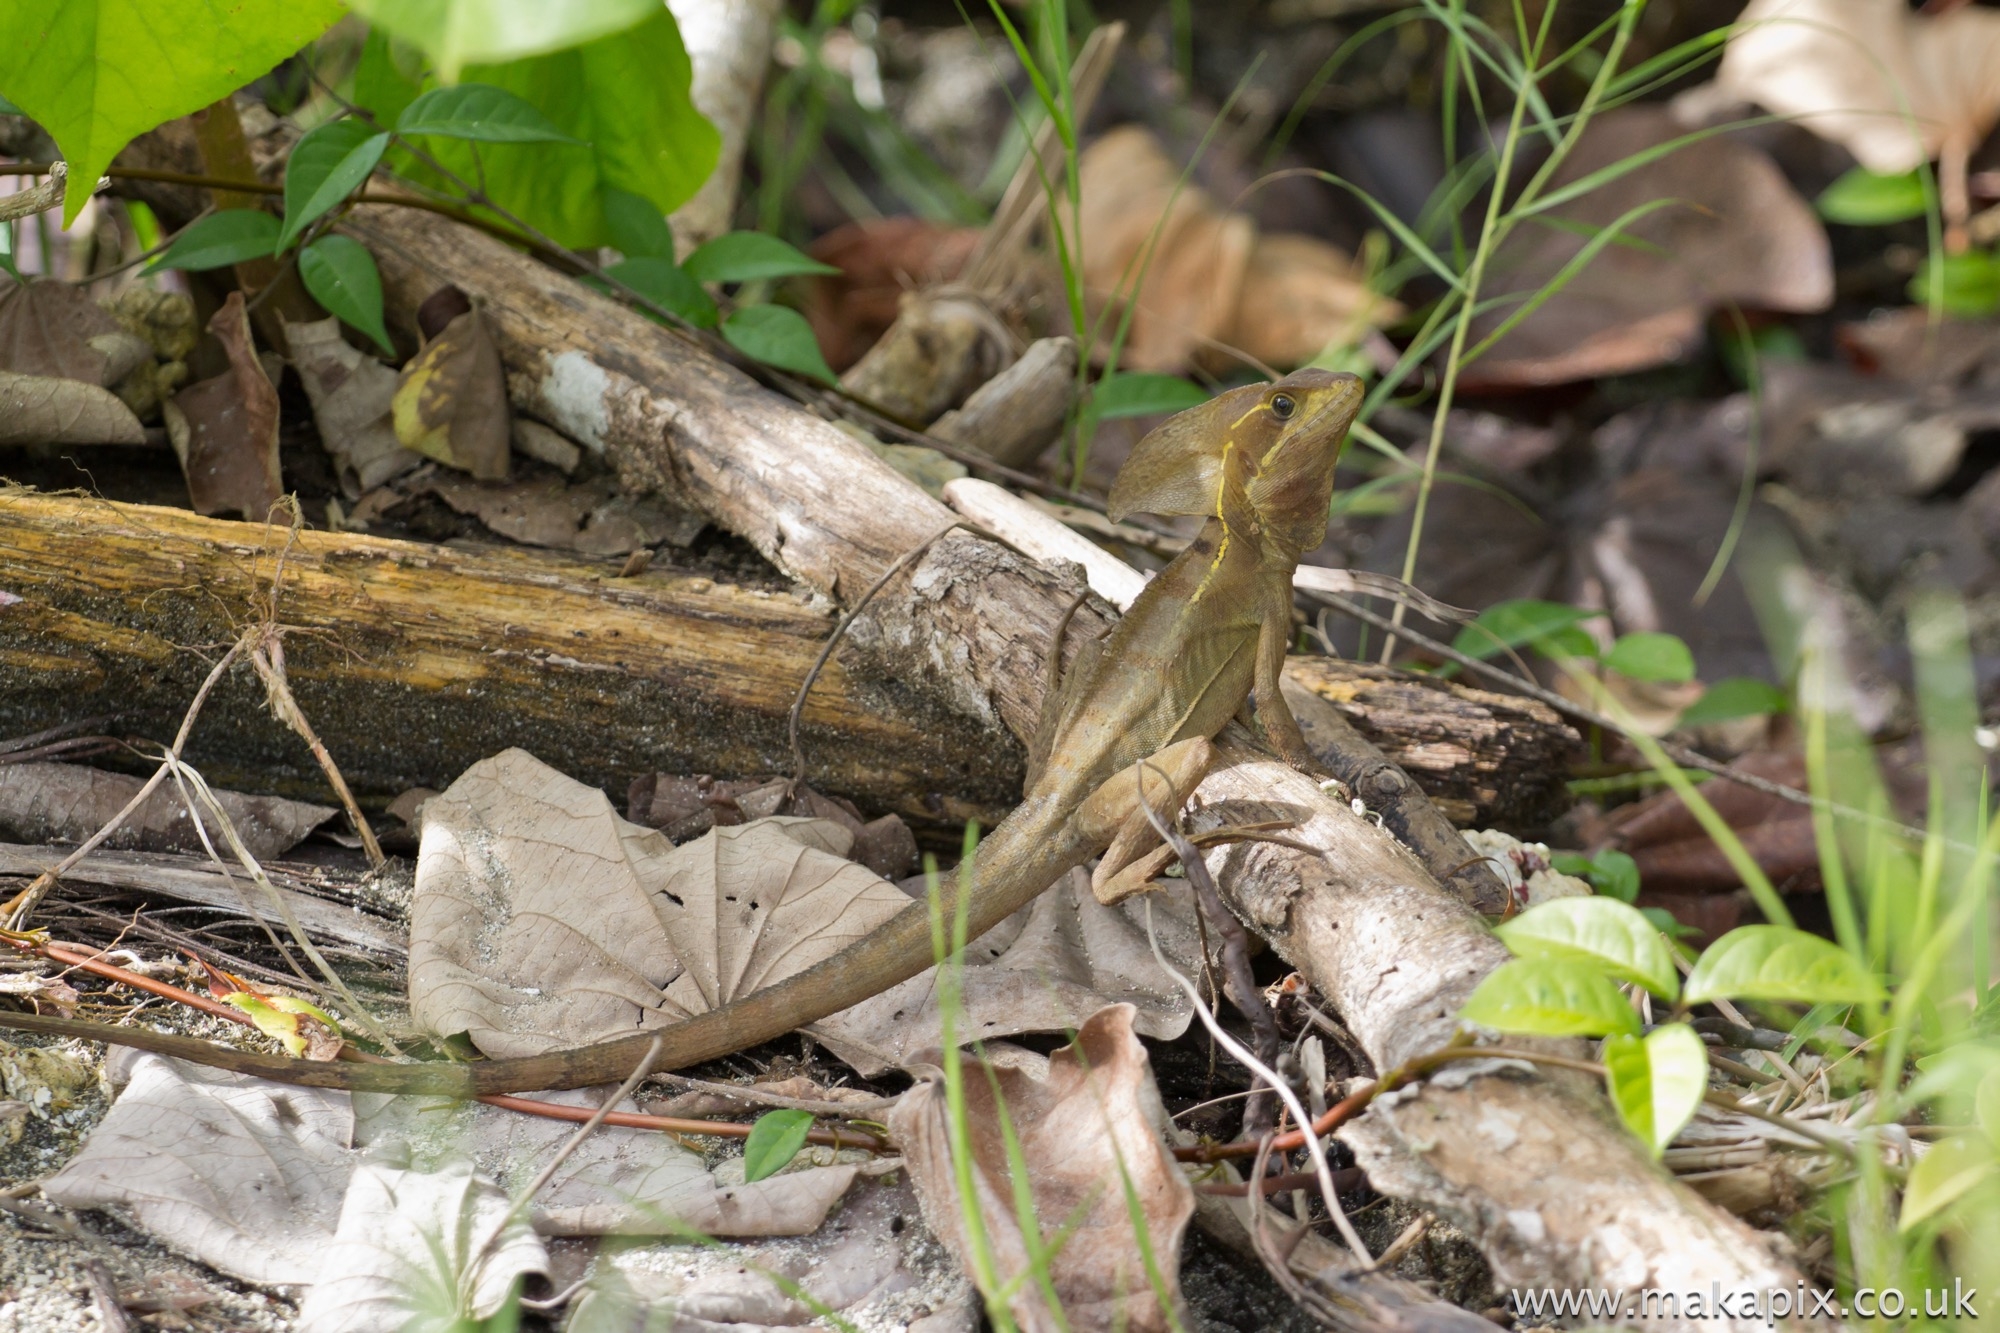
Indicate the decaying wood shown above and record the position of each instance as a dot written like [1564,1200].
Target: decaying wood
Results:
[1528,1165]
[323,900]
[1018,413]
[1534,1168]
[941,347]
[414,660]
[1486,760]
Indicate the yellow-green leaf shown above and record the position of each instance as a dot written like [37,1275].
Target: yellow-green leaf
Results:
[1657,1081]
[1622,941]
[1550,997]
[269,1021]
[96,74]
[1953,1168]
[1779,963]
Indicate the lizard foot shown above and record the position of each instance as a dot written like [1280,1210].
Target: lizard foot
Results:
[1116,811]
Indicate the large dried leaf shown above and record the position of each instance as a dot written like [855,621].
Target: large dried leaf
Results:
[41,409]
[53,329]
[1730,230]
[1090,1132]
[1212,282]
[451,400]
[350,394]
[245,1175]
[1892,85]
[632,1182]
[58,803]
[419,1250]
[225,429]
[541,920]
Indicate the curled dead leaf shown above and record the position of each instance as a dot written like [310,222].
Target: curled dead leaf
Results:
[1212,284]
[43,409]
[52,328]
[451,400]
[1893,85]
[1089,1130]
[225,429]
[351,393]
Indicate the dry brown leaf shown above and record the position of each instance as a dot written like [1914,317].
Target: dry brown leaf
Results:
[58,803]
[41,409]
[435,1249]
[879,260]
[1090,1131]
[1894,86]
[350,394]
[451,400]
[1047,968]
[50,328]
[1213,283]
[628,1182]
[1733,230]
[587,516]
[541,919]
[225,430]
[244,1175]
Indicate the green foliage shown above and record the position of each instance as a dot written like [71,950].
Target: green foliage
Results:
[341,275]
[97,73]
[1656,1081]
[1737,696]
[637,227]
[667,285]
[774,1141]
[1950,1170]
[1551,626]
[1131,395]
[1550,997]
[777,337]
[480,113]
[622,101]
[1611,872]
[456,33]
[1782,964]
[1860,198]
[222,238]
[1966,285]
[325,167]
[1652,657]
[747,256]
[1603,931]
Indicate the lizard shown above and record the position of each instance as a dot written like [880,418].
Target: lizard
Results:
[1257,462]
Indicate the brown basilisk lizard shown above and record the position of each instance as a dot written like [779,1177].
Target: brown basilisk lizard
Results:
[1258,463]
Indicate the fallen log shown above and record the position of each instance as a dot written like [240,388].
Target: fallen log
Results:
[414,660]
[1531,1166]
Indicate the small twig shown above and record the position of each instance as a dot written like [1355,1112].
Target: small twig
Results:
[750,1092]
[719,1129]
[1680,754]
[1314,1148]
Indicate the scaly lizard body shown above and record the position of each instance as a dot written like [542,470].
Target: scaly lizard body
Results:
[1258,462]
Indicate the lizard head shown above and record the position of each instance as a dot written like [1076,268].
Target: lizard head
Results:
[1268,449]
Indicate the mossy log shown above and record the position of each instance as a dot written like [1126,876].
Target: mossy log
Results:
[413,660]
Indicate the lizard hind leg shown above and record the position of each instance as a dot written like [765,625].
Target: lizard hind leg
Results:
[1116,813]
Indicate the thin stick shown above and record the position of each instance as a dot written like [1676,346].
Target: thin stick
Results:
[589,1127]
[1680,754]
[14,913]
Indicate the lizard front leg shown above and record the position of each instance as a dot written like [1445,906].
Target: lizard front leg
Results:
[1116,812]
[1274,716]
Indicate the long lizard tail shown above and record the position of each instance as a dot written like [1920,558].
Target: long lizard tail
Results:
[1025,854]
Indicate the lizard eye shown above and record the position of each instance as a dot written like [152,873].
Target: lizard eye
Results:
[1283,406]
